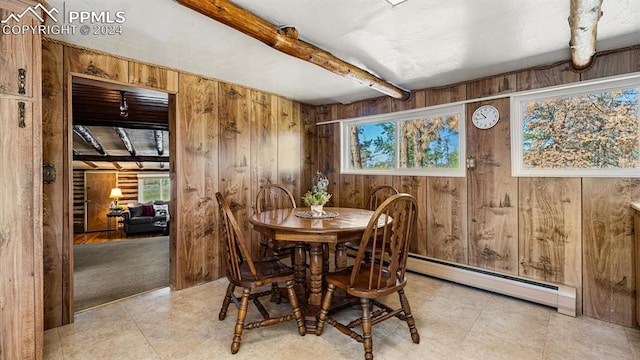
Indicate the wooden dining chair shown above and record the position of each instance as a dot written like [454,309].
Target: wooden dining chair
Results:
[378,195]
[249,275]
[272,197]
[383,275]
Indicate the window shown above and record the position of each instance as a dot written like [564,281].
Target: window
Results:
[583,130]
[424,141]
[153,187]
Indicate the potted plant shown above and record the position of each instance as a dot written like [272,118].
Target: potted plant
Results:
[318,196]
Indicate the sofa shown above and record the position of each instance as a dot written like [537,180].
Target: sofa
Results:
[147,217]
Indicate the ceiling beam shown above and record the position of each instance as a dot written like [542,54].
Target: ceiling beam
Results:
[86,135]
[158,136]
[122,133]
[583,22]
[286,40]
[86,158]
[92,165]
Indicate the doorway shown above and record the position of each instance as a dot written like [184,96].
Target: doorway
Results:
[120,133]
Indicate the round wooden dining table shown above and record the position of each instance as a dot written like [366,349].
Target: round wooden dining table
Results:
[294,225]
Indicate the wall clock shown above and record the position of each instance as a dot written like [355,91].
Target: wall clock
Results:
[485,117]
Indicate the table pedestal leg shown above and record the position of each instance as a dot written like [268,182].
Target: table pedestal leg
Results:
[316,264]
[300,267]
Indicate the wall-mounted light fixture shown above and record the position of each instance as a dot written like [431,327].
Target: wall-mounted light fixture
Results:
[124,108]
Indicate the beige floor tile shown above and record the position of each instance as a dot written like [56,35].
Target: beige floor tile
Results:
[454,322]
[585,338]
[104,333]
[633,336]
[52,345]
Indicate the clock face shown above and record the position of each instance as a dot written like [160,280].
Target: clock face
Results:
[485,117]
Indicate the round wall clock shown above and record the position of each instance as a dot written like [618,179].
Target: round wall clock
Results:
[485,117]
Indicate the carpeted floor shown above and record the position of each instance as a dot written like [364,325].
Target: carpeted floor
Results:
[110,271]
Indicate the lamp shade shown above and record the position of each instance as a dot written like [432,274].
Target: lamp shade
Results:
[115,193]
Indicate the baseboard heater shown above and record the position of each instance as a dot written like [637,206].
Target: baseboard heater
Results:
[561,297]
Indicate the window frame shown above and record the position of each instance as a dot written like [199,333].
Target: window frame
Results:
[397,117]
[142,177]
[518,169]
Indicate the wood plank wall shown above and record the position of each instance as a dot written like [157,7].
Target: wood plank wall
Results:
[219,136]
[573,231]
[219,133]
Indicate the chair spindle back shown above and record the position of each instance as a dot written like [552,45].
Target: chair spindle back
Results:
[236,250]
[387,268]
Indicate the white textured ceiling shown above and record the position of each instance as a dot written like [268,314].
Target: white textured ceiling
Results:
[418,44]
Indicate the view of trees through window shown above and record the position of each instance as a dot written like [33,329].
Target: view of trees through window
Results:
[153,188]
[589,131]
[429,142]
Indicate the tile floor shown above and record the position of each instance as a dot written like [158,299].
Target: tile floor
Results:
[454,321]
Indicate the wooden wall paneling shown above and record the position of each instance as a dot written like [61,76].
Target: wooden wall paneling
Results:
[616,63]
[264,138]
[550,231]
[94,64]
[18,49]
[415,185]
[445,95]
[21,222]
[309,153]
[607,260]
[329,148]
[446,225]
[53,194]
[379,105]
[492,195]
[351,186]
[195,180]
[447,219]
[264,149]
[289,146]
[16,239]
[153,77]
[235,148]
[494,85]
[215,264]
[536,78]
[608,240]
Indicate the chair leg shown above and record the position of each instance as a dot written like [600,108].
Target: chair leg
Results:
[227,300]
[367,342]
[242,314]
[293,300]
[404,301]
[324,310]
[276,297]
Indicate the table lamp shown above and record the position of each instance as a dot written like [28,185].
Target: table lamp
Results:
[116,193]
